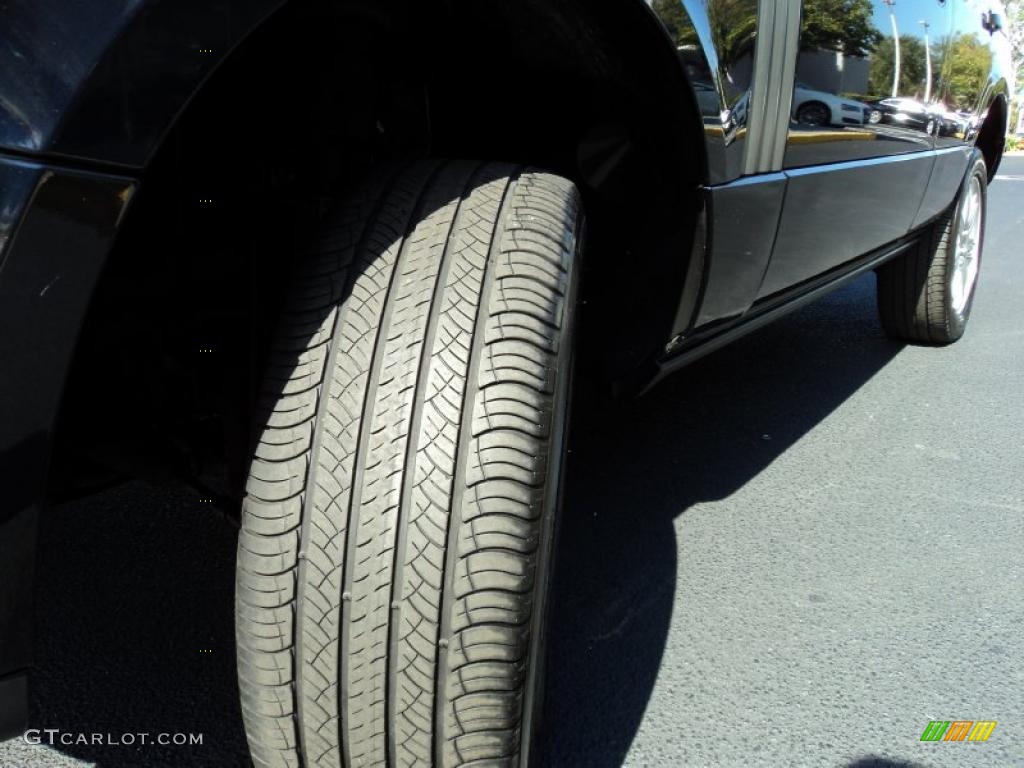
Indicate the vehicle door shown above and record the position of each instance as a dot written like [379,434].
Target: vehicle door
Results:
[859,145]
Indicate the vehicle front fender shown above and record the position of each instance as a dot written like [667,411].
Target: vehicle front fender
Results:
[104,81]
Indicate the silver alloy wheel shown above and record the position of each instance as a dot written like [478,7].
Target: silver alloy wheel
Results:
[968,248]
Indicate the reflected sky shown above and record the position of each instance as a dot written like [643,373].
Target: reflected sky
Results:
[909,14]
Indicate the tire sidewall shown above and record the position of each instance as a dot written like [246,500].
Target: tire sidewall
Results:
[534,699]
[976,168]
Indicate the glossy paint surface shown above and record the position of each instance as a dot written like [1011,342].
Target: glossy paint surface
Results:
[55,248]
[949,170]
[888,98]
[103,81]
[852,109]
[23,454]
[17,180]
[744,220]
[715,41]
[821,229]
[878,78]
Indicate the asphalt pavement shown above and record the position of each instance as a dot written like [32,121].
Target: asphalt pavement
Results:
[798,552]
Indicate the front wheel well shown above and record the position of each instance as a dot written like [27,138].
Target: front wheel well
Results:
[321,96]
[992,136]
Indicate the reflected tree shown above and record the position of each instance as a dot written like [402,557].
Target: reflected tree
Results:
[1015,31]
[839,25]
[733,27]
[964,62]
[676,22]
[912,68]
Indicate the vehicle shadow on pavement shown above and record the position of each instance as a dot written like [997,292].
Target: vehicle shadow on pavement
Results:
[135,629]
[123,649]
[699,437]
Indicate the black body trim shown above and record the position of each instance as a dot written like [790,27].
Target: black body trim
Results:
[53,256]
[765,311]
[13,705]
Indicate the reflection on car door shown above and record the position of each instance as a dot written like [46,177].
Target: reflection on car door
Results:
[862,126]
[966,62]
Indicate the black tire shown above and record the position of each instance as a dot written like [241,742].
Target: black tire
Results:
[916,290]
[394,548]
[814,113]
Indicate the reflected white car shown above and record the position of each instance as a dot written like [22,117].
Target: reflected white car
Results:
[812,107]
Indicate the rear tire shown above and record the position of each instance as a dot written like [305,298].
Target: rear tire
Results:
[925,296]
[814,113]
[393,554]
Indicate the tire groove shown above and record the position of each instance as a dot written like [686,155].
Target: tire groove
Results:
[461,461]
[355,499]
[409,464]
[334,345]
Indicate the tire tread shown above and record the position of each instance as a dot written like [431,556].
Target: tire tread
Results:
[388,551]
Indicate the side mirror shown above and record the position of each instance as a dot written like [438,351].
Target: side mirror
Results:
[992,22]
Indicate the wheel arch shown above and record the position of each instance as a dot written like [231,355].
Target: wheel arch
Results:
[143,64]
[992,134]
[258,139]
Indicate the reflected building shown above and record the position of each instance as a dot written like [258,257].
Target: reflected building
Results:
[833,72]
